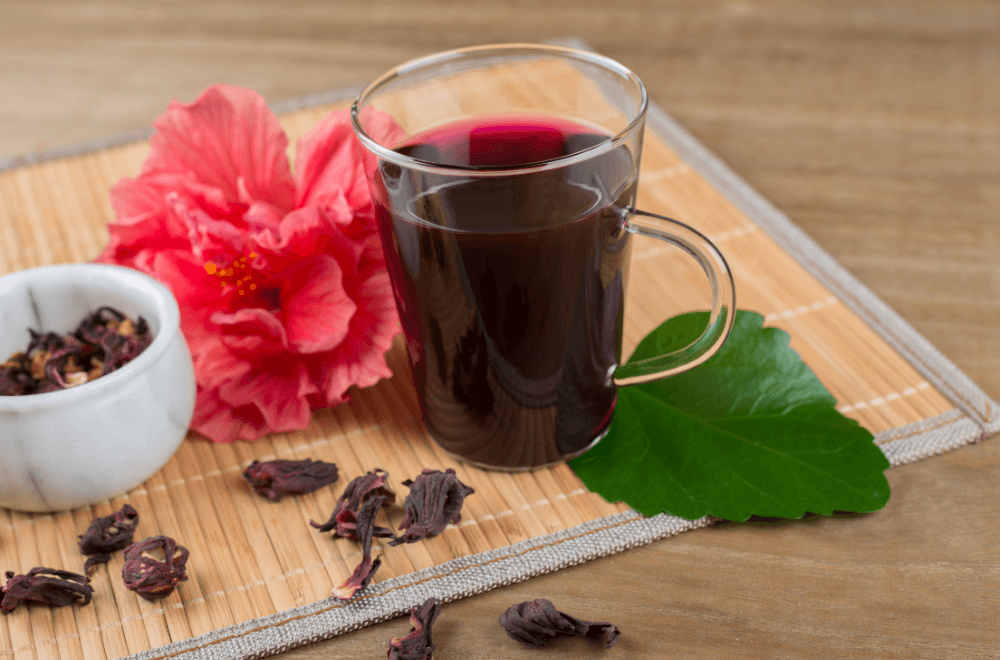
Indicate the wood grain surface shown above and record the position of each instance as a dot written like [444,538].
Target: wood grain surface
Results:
[874,125]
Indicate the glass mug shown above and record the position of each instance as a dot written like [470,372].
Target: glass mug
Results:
[504,181]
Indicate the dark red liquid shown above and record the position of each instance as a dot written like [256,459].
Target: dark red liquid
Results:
[510,288]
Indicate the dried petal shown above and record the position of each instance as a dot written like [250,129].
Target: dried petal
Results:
[126,328]
[275,479]
[417,644]
[364,571]
[53,362]
[435,499]
[15,376]
[537,621]
[343,521]
[148,575]
[38,362]
[47,586]
[108,534]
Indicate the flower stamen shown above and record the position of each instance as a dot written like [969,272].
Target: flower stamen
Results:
[240,277]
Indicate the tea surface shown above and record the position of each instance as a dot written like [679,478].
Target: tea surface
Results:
[510,287]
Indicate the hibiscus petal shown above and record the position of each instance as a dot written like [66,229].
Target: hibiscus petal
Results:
[279,388]
[360,358]
[184,274]
[251,332]
[317,310]
[216,364]
[221,422]
[330,159]
[147,192]
[326,165]
[209,238]
[185,277]
[297,235]
[228,139]
[263,216]
[144,219]
[303,233]
[214,418]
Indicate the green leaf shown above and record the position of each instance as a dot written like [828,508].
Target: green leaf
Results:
[751,431]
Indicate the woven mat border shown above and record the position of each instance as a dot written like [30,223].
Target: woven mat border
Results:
[975,417]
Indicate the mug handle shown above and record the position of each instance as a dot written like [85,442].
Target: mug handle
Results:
[723,313]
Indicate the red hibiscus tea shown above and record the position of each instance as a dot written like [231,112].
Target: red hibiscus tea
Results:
[504,183]
[510,284]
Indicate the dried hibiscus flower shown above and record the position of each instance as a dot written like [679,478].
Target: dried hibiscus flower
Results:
[47,586]
[108,534]
[118,338]
[364,571]
[104,341]
[153,567]
[417,644]
[435,499]
[537,621]
[343,521]
[275,479]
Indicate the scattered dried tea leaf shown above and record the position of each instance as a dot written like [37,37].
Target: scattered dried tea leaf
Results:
[108,534]
[53,362]
[153,567]
[417,644]
[364,571]
[343,521]
[47,586]
[435,499]
[275,479]
[537,621]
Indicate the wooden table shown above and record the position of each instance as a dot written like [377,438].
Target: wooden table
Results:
[874,125]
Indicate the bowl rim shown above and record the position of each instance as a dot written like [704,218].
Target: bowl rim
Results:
[165,306]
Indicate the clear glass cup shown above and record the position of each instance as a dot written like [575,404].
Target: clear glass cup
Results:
[504,182]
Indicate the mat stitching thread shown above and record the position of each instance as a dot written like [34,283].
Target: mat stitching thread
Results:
[882,400]
[715,238]
[665,173]
[798,311]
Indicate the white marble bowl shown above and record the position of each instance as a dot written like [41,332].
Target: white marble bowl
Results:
[78,446]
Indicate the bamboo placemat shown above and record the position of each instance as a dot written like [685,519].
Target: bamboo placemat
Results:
[260,576]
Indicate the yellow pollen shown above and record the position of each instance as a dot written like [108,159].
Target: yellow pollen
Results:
[241,292]
[253,286]
[210,269]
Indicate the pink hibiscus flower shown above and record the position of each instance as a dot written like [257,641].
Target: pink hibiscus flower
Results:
[284,296]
